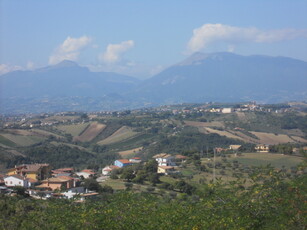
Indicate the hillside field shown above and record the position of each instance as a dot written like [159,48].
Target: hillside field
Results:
[263,159]
[74,129]
[120,135]
[91,132]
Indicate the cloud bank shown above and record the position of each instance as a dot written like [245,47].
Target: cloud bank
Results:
[114,51]
[5,68]
[211,33]
[69,49]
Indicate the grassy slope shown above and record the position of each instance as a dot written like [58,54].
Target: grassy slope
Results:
[120,135]
[74,129]
[23,140]
[6,142]
[262,159]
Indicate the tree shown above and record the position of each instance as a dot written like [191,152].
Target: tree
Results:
[92,184]
[154,178]
[106,189]
[182,186]
[128,174]
[151,166]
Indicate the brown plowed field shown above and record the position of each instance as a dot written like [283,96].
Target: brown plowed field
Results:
[91,132]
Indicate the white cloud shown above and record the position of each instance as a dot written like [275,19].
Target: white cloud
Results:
[114,51]
[30,65]
[69,49]
[5,68]
[211,33]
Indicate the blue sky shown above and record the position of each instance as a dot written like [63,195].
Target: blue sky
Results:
[141,38]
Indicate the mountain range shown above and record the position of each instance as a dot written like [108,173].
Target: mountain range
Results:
[222,77]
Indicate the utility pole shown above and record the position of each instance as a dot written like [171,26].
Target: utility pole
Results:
[207,152]
[214,165]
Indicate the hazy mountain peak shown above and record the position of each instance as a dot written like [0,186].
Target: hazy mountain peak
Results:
[66,63]
[198,57]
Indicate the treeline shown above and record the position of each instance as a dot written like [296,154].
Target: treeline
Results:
[65,156]
[270,202]
[190,140]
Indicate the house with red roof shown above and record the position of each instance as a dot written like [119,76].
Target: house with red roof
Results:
[122,163]
[108,169]
[58,183]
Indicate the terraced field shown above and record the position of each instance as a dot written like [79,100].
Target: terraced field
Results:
[120,135]
[74,129]
[92,131]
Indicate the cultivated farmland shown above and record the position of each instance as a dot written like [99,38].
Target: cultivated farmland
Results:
[271,138]
[91,132]
[74,129]
[121,134]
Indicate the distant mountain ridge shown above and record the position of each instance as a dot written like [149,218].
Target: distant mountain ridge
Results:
[228,77]
[223,77]
[64,79]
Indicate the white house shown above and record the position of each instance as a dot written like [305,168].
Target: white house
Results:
[86,173]
[135,160]
[227,110]
[108,169]
[16,180]
[165,159]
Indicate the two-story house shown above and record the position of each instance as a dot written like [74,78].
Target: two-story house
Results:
[165,159]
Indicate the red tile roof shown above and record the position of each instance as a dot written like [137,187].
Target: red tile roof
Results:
[178,156]
[88,171]
[124,161]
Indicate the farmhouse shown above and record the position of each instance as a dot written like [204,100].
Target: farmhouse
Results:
[262,148]
[180,158]
[86,173]
[165,159]
[234,147]
[122,163]
[108,169]
[135,160]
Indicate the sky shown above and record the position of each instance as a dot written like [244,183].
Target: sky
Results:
[141,38]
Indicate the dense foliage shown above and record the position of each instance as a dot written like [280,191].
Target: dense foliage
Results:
[64,156]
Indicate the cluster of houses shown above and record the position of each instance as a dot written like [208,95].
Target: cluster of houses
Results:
[167,164]
[248,107]
[41,179]
[262,148]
